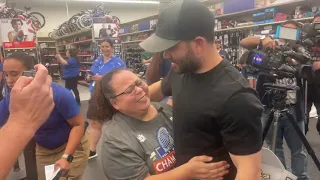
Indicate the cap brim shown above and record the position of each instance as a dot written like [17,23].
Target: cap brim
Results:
[155,44]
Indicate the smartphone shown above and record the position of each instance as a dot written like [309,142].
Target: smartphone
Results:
[31,73]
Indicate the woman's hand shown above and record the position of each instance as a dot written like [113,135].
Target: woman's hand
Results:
[97,77]
[64,166]
[200,167]
[58,55]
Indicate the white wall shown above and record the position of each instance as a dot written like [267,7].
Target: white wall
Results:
[57,13]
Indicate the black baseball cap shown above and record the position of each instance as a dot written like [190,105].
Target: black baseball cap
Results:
[180,20]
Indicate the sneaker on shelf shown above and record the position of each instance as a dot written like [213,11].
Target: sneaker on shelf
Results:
[93,154]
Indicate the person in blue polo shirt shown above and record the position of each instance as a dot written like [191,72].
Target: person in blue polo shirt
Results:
[101,66]
[60,140]
[71,70]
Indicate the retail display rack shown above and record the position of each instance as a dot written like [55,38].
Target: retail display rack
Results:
[48,49]
[131,34]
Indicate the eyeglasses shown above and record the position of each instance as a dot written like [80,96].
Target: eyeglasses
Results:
[132,88]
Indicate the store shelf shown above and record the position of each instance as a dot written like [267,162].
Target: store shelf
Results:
[49,55]
[84,55]
[18,48]
[45,41]
[75,33]
[49,48]
[251,11]
[84,41]
[134,33]
[131,42]
[78,42]
[258,25]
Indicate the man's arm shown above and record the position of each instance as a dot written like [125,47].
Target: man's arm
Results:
[31,103]
[153,71]
[12,146]
[241,130]
[247,168]
[253,42]
[155,92]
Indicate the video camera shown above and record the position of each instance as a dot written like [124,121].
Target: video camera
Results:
[311,34]
[288,60]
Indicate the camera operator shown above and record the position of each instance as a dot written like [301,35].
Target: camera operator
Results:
[294,98]
[314,87]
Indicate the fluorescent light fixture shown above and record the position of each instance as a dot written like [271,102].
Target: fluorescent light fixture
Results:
[121,1]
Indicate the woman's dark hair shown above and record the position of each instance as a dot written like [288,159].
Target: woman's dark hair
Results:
[14,22]
[73,53]
[27,60]
[102,95]
[108,41]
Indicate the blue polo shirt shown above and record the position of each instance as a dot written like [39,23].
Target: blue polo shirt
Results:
[55,131]
[100,68]
[72,69]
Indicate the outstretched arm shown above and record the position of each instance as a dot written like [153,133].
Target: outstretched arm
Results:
[15,137]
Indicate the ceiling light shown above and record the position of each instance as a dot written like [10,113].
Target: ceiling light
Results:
[122,1]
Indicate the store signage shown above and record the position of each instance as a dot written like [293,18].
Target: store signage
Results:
[105,28]
[18,45]
[16,33]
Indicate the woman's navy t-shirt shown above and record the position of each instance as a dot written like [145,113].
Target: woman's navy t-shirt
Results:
[55,131]
[100,68]
[72,69]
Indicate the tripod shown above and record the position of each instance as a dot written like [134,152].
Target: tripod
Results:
[279,109]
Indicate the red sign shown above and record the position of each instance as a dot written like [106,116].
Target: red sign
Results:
[165,164]
[15,45]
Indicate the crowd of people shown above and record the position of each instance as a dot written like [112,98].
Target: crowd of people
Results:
[211,127]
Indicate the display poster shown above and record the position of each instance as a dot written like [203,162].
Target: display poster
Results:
[16,33]
[105,28]
[265,3]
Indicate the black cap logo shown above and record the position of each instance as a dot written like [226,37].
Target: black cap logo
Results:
[160,23]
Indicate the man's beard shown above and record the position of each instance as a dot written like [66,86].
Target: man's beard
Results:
[190,63]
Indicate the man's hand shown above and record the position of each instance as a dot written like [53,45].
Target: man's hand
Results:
[268,43]
[200,168]
[316,65]
[97,77]
[31,100]
[64,166]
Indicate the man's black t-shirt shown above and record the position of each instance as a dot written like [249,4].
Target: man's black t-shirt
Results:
[215,113]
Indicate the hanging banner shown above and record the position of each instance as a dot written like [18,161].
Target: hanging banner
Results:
[16,33]
[106,28]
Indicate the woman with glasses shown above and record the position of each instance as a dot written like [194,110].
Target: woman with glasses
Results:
[103,64]
[138,139]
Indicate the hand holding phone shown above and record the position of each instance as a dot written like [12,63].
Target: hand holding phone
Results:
[30,73]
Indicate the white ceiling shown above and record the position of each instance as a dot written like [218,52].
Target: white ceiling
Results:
[75,3]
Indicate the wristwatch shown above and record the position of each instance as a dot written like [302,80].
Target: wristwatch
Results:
[68,157]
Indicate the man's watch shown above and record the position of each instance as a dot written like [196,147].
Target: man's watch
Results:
[68,157]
